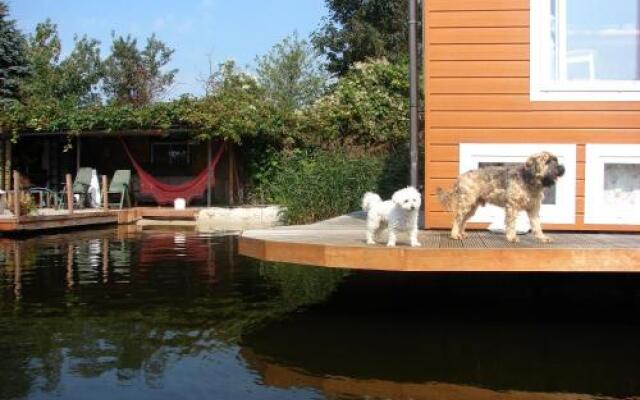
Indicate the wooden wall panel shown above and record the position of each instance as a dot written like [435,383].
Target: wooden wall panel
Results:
[526,135]
[477,91]
[479,19]
[511,102]
[517,35]
[478,5]
[477,69]
[474,52]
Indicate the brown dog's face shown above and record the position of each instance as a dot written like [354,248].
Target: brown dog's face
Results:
[545,168]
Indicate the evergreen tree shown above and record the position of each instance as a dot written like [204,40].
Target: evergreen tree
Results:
[13,62]
[134,76]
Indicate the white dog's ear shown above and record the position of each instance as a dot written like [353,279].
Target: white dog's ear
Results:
[397,197]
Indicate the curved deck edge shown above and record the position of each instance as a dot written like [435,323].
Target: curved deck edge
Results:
[443,260]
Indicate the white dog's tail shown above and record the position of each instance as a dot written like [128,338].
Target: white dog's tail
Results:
[369,199]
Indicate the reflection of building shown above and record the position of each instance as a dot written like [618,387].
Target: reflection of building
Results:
[287,377]
[579,57]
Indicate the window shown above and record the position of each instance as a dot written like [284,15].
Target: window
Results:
[612,185]
[171,154]
[560,201]
[585,50]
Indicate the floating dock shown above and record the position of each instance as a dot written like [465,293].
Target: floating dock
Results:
[47,219]
[340,243]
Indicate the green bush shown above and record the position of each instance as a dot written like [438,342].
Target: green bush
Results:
[318,184]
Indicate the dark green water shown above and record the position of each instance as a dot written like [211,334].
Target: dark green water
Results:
[112,314]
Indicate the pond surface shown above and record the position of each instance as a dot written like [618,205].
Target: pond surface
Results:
[122,314]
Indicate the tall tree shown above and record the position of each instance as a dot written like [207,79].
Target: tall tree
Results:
[134,76]
[72,80]
[359,29]
[13,62]
[291,74]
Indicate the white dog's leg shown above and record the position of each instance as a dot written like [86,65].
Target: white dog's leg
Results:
[391,242]
[370,237]
[372,230]
[414,238]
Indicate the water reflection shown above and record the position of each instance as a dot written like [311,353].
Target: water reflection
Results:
[456,337]
[124,314]
[141,312]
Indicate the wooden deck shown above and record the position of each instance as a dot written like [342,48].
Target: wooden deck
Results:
[339,243]
[60,219]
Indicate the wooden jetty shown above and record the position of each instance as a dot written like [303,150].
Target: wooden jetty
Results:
[47,219]
[340,243]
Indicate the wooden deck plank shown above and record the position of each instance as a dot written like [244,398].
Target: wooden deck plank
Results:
[342,245]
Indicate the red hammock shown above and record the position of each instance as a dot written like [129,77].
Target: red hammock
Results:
[164,193]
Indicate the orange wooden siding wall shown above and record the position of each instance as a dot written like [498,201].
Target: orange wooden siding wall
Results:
[477,91]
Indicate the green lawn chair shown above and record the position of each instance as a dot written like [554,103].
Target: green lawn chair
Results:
[120,184]
[80,186]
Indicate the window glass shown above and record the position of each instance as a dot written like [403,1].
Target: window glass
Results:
[594,40]
[622,185]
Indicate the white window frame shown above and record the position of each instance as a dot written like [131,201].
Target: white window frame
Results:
[563,212]
[543,88]
[595,210]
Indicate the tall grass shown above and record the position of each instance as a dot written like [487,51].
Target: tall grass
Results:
[321,184]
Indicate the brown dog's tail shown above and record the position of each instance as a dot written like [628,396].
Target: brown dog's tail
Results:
[445,199]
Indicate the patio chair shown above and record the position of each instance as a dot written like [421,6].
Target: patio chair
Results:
[120,184]
[80,186]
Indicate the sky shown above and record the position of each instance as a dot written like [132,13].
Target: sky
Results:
[198,30]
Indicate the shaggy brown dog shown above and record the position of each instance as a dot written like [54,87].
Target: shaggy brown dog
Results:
[515,188]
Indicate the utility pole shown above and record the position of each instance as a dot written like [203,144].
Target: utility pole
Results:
[413,93]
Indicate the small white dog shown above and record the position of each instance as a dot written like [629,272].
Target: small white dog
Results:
[400,214]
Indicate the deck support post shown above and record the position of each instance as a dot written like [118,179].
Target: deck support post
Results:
[69,192]
[105,191]
[16,196]
[231,174]
[3,177]
[209,173]
[78,155]
[7,165]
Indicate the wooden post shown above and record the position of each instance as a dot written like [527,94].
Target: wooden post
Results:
[16,195]
[3,177]
[231,174]
[105,190]
[209,174]
[239,188]
[7,165]
[69,186]
[78,158]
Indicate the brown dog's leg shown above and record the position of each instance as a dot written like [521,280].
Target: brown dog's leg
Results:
[468,215]
[536,227]
[511,213]
[457,230]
